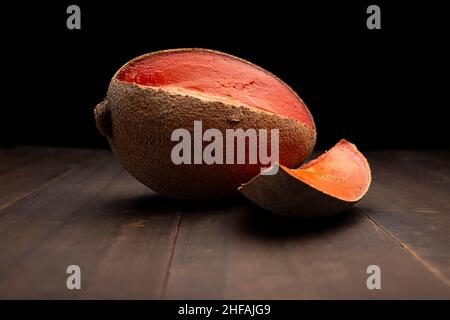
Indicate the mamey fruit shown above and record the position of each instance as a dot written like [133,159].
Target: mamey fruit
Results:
[157,93]
[324,186]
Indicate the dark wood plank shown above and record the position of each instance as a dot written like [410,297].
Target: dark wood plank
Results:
[239,251]
[97,217]
[27,169]
[11,158]
[131,243]
[410,199]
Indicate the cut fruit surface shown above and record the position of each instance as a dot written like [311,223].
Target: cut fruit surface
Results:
[153,95]
[327,185]
[216,76]
[342,172]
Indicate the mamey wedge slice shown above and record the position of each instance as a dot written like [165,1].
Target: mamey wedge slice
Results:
[327,185]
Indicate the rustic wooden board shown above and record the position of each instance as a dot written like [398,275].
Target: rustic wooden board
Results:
[25,170]
[12,158]
[410,199]
[97,217]
[60,207]
[243,252]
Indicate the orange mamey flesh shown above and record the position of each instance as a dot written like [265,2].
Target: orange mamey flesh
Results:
[330,184]
[216,76]
[342,172]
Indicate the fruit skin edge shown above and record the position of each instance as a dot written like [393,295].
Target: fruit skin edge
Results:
[219,53]
[300,200]
[304,200]
[135,117]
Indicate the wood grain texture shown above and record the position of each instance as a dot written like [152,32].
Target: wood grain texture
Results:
[14,157]
[25,170]
[244,253]
[61,206]
[97,217]
[410,199]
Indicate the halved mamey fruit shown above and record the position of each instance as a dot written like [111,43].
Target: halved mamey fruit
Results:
[155,94]
[327,185]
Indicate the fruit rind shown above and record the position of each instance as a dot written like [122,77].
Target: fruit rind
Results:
[286,194]
[219,53]
[138,121]
[292,197]
[143,119]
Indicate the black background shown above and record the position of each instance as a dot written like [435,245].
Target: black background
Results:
[168,309]
[377,88]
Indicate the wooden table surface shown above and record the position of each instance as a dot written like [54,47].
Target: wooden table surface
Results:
[61,207]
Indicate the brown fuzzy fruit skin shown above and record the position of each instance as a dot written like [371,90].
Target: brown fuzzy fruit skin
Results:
[138,122]
[295,199]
